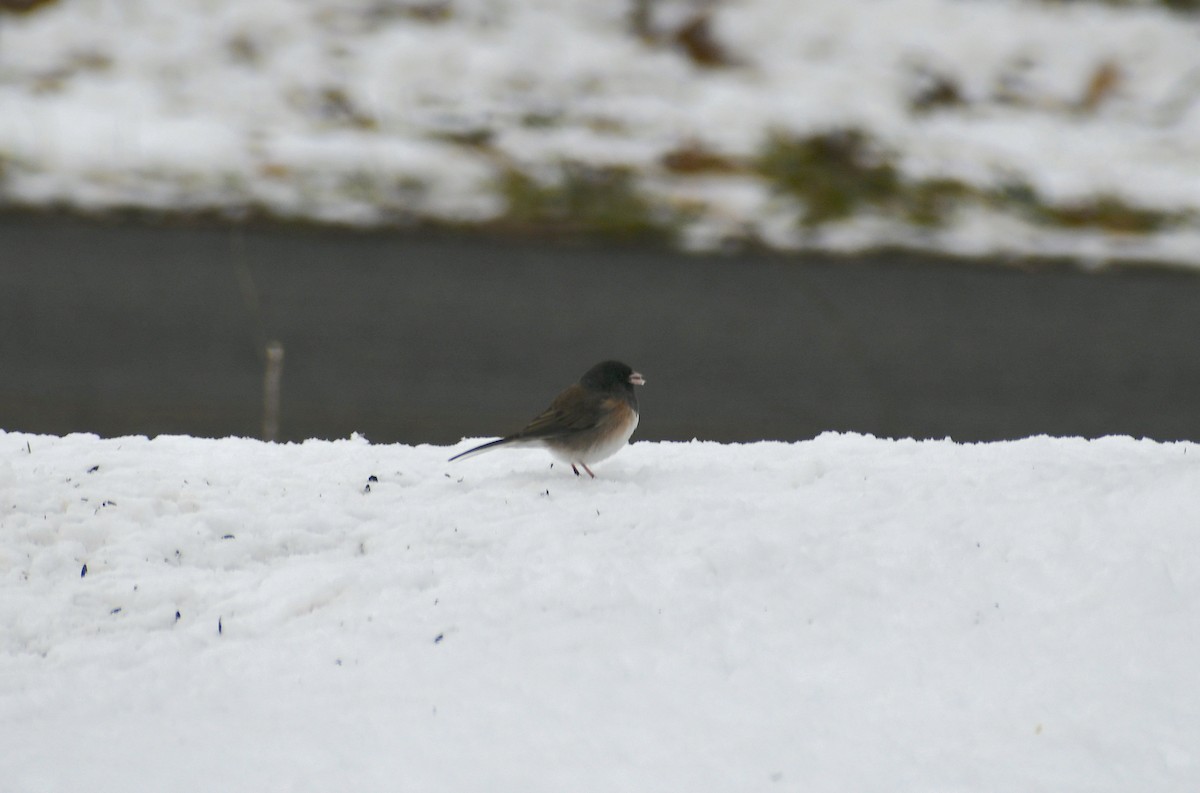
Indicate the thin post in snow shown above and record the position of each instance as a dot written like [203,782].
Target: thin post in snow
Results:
[272,376]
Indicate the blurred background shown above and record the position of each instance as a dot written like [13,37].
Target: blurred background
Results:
[419,219]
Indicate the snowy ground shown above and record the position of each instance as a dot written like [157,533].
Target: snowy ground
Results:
[399,110]
[843,614]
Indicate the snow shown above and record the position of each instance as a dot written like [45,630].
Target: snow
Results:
[337,110]
[841,614]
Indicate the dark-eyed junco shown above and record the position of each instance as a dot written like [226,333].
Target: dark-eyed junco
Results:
[587,423]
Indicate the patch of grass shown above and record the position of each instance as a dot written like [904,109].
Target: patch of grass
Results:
[694,158]
[586,200]
[22,6]
[1107,213]
[696,38]
[933,90]
[537,119]
[359,186]
[839,174]
[1103,213]
[467,137]
[929,202]
[431,12]
[833,173]
[693,37]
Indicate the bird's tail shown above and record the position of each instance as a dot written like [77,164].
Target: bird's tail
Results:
[486,447]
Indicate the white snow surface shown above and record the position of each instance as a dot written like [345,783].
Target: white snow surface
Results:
[345,111]
[843,614]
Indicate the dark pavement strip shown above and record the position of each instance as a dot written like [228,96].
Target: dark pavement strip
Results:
[420,337]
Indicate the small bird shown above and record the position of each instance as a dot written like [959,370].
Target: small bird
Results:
[588,422]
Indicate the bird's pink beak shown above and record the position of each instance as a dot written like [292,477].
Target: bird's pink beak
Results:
[637,379]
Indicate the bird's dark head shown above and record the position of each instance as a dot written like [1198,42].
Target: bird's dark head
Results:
[611,376]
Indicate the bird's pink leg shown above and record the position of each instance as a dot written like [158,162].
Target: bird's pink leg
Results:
[589,470]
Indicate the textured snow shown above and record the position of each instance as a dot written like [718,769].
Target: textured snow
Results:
[842,614]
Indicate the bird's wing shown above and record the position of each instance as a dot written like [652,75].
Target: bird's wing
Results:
[571,411]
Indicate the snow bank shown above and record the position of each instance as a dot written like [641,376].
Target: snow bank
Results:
[843,614]
[383,112]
